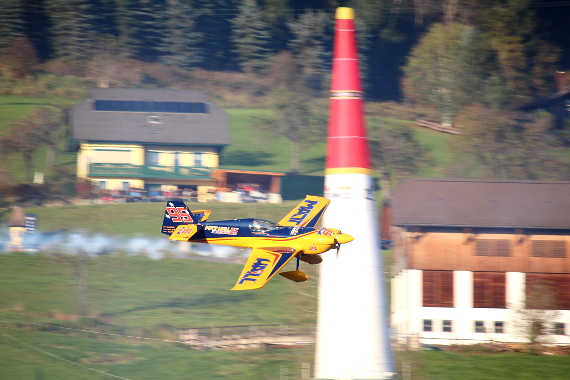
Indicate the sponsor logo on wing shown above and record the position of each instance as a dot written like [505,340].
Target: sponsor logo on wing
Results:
[184,230]
[256,270]
[302,212]
[220,230]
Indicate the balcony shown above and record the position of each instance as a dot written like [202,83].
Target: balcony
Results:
[148,171]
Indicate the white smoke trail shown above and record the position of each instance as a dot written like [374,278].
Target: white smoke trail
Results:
[96,244]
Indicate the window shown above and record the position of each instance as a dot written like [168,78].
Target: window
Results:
[559,329]
[480,327]
[492,247]
[152,158]
[489,290]
[126,185]
[438,288]
[144,106]
[198,159]
[447,327]
[428,325]
[102,185]
[499,327]
[548,291]
[154,119]
[548,248]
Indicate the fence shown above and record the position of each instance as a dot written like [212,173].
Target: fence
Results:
[247,336]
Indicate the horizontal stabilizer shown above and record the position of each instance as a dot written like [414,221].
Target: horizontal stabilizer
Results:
[184,232]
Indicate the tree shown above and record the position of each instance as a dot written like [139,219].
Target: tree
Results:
[396,153]
[11,21]
[146,29]
[19,58]
[181,43]
[525,62]
[47,122]
[308,46]
[71,29]
[534,319]
[216,26]
[106,59]
[251,37]
[435,69]
[504,145]
[295,115]
[27,134]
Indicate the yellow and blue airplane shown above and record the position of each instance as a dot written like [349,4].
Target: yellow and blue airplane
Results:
[274,244]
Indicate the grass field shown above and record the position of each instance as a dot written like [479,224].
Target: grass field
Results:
[136,296]
[260,152]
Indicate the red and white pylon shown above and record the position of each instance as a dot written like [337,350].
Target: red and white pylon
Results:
[352,331]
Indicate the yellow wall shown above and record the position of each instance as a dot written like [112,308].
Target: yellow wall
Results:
[91,153]
[117,184]
[87,153]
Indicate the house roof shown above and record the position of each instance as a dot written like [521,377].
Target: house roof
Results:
[546,100]
[209,128]
[481,203]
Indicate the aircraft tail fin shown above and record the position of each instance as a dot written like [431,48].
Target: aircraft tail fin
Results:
[177,213]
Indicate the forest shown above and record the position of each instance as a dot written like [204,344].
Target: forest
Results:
[470,64]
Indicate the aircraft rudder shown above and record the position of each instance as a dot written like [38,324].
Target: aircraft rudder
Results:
[176,213]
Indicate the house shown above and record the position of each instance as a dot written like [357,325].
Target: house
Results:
[471,256]
[148,138]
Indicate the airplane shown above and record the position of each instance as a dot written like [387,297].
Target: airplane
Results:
[274,244]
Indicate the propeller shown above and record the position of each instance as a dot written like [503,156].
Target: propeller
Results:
[339,239]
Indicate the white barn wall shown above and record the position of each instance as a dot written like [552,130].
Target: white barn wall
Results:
[408,313]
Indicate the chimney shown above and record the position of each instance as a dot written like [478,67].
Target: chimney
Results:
[560,79]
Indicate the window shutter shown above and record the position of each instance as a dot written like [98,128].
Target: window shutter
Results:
[437,288]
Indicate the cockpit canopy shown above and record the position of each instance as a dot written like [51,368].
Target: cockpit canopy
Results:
[262,225]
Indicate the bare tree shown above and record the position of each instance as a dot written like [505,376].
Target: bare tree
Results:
[534,320]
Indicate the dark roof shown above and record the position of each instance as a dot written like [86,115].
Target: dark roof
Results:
[481,203]
[134,127]
[544,101]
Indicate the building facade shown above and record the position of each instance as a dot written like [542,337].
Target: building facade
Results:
[473,259]
[147,138]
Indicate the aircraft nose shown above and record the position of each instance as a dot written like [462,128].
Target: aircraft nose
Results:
[344,238]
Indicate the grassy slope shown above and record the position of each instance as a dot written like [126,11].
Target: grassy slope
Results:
[141,362]
[139,297]
[140,293]
[249,150]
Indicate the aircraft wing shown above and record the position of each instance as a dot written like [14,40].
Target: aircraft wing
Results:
[307,213]
[262,265]
[184,232]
